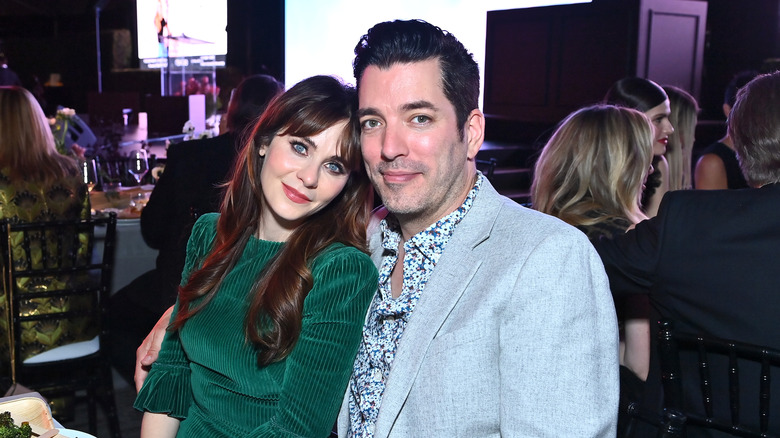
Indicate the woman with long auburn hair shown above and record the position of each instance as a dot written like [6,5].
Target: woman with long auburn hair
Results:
[276,286]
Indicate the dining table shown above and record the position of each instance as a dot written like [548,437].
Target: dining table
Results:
[132,256]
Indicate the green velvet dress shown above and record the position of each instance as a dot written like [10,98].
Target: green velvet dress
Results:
[207,373]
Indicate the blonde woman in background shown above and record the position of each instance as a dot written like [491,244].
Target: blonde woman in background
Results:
[591,174]
[37,184]
[679,149]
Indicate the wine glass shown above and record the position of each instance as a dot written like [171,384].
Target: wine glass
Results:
[89,174]
[138,165]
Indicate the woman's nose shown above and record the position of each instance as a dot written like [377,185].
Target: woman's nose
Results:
[309,174]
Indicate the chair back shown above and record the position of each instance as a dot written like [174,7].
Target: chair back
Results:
[80,133]
[55,294]
[487,167]
[739,356]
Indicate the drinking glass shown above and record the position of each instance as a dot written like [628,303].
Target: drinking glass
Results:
[89,173]
[138,165]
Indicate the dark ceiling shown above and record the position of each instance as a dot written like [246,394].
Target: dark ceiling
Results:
[54,8]
[52,18]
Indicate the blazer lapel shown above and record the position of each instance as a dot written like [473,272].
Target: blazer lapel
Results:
[452,274]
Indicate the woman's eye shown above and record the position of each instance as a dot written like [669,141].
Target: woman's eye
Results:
[335,168]
[299,148]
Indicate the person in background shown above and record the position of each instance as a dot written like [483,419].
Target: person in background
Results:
[490,319]
[708,259]
[590,174]
[717,167]
[37,184]
[190,186]
[8,77]
[648,97]
[275,287]
[679,149]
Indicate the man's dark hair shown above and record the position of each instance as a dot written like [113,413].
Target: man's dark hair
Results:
[738,81]
[395,42]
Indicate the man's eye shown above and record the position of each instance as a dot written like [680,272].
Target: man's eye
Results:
[369,124]
[421,119]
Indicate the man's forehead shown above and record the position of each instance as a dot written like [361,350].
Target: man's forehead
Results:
[403,84]
[382,67]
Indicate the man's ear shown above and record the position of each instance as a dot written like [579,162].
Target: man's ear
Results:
[474,132]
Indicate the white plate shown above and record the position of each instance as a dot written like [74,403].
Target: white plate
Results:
[70,433]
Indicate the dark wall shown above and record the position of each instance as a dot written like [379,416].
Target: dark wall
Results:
[741,35]
[543,63]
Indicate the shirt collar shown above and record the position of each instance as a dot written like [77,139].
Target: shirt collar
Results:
[438,231]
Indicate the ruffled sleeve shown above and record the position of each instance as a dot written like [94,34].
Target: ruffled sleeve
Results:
[167,388]
[318,368]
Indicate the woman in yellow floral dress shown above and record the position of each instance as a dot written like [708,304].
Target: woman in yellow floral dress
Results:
[37,184]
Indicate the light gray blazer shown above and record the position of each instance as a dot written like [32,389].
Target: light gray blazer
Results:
[514,335]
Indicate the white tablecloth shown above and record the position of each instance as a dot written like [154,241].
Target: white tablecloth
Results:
[132,257]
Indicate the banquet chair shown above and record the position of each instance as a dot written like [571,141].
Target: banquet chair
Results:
[487,167]
[706,349]
[56,292]
[114,172]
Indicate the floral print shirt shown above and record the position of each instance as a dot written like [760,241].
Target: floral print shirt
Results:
[387,317]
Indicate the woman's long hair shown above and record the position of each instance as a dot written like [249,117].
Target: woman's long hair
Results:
[273,322]
[27,146]
[684,115]
[593,166]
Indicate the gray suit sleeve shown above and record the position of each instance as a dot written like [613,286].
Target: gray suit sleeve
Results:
[559,345]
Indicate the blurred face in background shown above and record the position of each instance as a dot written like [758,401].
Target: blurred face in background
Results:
[662,127]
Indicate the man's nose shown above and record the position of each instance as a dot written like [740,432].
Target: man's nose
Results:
[393,144]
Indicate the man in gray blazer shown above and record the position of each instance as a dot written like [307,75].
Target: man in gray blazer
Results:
[490,319]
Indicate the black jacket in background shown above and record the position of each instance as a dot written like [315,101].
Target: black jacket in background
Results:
[709,261]
[188,187]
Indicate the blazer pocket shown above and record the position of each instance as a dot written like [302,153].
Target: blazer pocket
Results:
[455,341]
